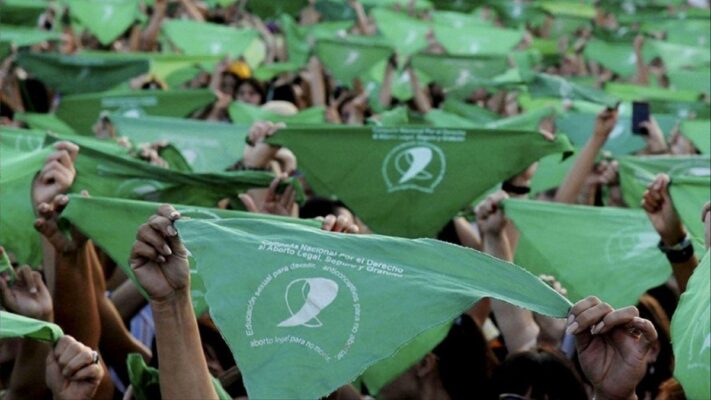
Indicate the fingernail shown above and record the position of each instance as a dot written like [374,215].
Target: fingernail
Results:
[33,290]
[572,328]
[167,250]
[597,328]
[571,318]
[172,231]
[174,215]
[160,259]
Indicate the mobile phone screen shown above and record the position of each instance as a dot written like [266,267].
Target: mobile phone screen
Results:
[640,113]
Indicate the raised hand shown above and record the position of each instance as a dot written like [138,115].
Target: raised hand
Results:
[57,175]
[28,295]
[159,258]
[274,203]
[340,224]
[73,370]
[656,143]
[613,346]
[47,223]
[258,154]
[489,215]
[660,210]
[605,123]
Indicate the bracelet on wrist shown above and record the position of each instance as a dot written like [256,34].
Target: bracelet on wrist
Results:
[678,253]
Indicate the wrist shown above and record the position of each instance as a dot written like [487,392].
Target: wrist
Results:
[673,238]
[170,303]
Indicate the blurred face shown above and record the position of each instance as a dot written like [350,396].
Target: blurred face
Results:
[247,94]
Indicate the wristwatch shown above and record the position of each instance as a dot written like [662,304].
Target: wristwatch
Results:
[678,253]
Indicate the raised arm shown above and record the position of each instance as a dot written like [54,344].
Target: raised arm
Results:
[517,325]
[160,262]
[150,34]
[674,240]
[570,188]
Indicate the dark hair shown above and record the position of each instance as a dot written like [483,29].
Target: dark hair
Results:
[319,207]
[465,360]
[449,234]
[662,368]
[255,84]
[539,373]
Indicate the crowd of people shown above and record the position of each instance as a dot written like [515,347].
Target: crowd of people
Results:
[132,328]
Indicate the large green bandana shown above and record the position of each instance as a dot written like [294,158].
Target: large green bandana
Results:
[82,111]
[202,38]
[112,225]
[676,56]
[206,146]
[603,251]
[77,74]
[289,298]
[246,114]
[145,380]
[691,339]
[18,326]
[347,60]
[689,189]
[410,181]
[105,19]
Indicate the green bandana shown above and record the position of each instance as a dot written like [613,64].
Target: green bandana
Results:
[690,334]
[619,58]
[22,36]
[676,56]
[556,86]
[689,189]
[77,74]
[418,175]
[460,75]
[627,92]
[145,380]
[112,225]
[201,38]
[45,122]
[82,111]
[247,114]
[22,12]
[407,35]
[17,217]
[290,298]
[105,19]
[18,326]
[698,132]
[477,39]
[206,146]
[347,60]
[603,251]
[698,80]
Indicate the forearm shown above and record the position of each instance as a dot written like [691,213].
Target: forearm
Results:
[468,237]
[149,36]
[27,379]
[259,156]
[516,324]
[574,181]
[318,95]
[192,10]
[421,100]
[75,296]
[385,95]
[361,18]
[183,369]
[128,300]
